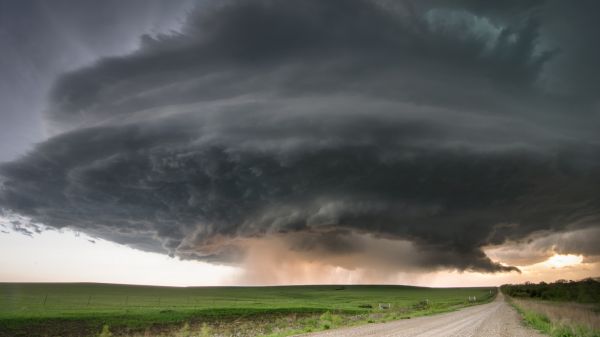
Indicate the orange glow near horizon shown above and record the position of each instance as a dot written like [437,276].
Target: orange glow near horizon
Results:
[560,261]
[49,257]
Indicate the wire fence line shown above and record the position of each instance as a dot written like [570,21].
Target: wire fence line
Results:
[129,301]
[118,301]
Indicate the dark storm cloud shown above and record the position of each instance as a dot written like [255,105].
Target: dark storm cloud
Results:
[319,123]
[577,72]
[305,47]
[39,41]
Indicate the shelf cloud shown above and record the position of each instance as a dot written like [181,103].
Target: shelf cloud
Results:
[364,134]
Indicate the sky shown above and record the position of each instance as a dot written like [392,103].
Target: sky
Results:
[254,142]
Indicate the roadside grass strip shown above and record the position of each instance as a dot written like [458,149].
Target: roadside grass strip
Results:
[557,320]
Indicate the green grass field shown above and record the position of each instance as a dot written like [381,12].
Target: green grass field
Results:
[82,309]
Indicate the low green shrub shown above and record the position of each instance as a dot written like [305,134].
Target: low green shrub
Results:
[105,331]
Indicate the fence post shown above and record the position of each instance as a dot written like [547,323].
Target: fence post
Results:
[45,298]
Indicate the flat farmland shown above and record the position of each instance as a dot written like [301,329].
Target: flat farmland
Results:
[84,309]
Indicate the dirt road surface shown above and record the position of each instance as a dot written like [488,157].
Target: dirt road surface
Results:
[493,319]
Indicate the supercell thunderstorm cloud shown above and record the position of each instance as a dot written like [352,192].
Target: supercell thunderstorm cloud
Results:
[357,133]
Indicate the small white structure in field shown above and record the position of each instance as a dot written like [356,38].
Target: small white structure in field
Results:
[472,298]
[385,306]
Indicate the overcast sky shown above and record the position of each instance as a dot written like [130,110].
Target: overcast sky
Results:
[306,141]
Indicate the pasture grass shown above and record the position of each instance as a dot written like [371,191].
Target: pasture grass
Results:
[559,320]
[86,309]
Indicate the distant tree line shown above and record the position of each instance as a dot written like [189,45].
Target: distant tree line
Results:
[584,291]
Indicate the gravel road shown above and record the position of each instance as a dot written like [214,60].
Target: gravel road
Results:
[492,319]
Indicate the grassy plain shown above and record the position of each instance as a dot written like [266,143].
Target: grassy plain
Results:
[559,309]
[84,309]
[559,319]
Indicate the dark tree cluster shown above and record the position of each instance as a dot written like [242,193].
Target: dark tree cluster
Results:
[584,291]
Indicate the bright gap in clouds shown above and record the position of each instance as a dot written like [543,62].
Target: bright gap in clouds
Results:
[560,261]
[66,256]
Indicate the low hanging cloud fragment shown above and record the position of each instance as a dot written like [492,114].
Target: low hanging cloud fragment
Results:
[412,136]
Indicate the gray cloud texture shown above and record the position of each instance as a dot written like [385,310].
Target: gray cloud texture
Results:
[39,41]
[326,126]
